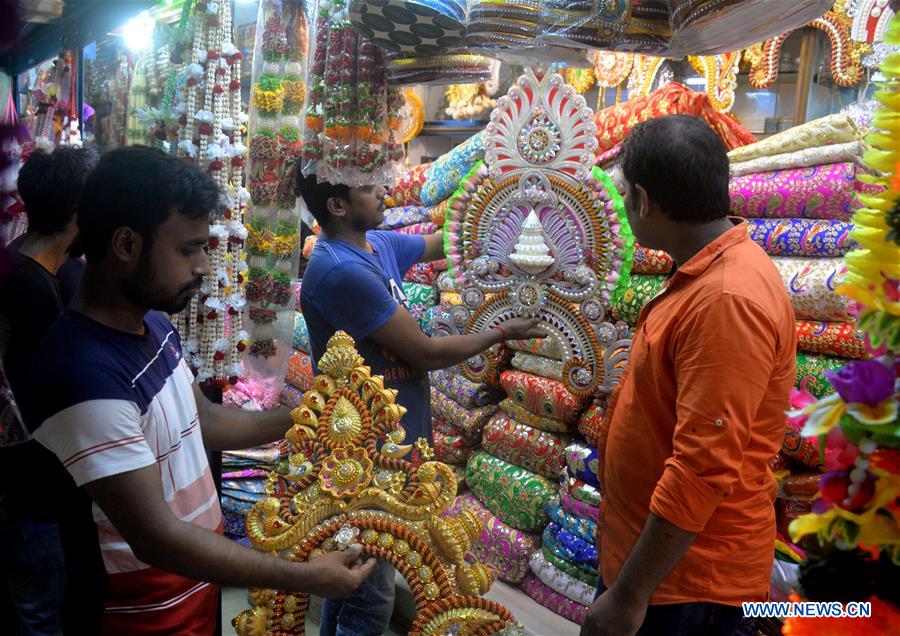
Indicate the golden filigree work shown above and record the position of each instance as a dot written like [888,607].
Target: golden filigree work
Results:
[720,72]
[341,488]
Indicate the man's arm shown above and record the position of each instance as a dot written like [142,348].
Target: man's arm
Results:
[231,429]
[621,609]
[434,247]
[134,503]
[402,336]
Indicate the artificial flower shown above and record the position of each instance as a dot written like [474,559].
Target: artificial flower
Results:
[821,416]
[840,452]
[866,382]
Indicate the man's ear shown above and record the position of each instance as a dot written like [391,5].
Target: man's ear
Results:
[336,206]
[127,245]
[644,200]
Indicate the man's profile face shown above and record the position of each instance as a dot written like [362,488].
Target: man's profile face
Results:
[366,207]
[170,273]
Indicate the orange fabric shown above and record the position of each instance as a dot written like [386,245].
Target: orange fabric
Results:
[696,418]
[614,123]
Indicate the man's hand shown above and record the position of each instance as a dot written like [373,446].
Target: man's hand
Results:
[337,574]
[612,614]
[522,329]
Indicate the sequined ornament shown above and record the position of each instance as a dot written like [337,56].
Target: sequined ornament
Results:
[341,487]
[536,230]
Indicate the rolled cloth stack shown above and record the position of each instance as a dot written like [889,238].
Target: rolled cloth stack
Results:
[515,495]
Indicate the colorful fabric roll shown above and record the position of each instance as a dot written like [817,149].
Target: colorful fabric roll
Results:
[461,390]
[590,423]
[817,192]
[395,218]
[568,546]
[584,529]
[651,261]
[469,422]
[537,365]
[308,246]
[547,347]
[422,273]
[614,123]
[835,153]
[811,370]
[523,415]
[833,129]
[438,214]
[450,168]
[541,396]
[640,291]
[451,449]
[579,490]
[301,334]
[590,577]
[519,444]
[802,237]
[420,297]
[502,547]
[418,229]
[578,508]
[583,462]
[515,495]
[801,449]
[429,315]
[408,190]
[290,396]
[554,601]
[451,298]
[811,284]
[300,371]
[560,581]
[235,523]
[838,339]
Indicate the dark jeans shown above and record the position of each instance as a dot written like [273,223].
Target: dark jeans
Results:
[688,619]
[33,566]
[366,612]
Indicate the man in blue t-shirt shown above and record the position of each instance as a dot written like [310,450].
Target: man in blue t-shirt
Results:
[354,283]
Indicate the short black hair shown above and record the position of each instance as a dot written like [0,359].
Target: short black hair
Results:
[50,185]
[316,195]
[682,164]
[139,187]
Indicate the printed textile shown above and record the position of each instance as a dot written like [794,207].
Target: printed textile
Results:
[640,291]
[519,444]
[816,156]
[395,218]
[833,129]
[462,391]
[515,495]
[811,284]
[450,168]
[811,370]
[838,339]
[541,396]
[802,237]
[469,422]
[408,190]
[554,601]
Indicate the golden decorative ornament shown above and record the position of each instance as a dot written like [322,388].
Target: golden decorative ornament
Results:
[611,68]
[643,74]
[720,72]
[581,79]
[351,492]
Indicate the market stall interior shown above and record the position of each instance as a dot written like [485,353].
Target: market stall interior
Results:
[500,124]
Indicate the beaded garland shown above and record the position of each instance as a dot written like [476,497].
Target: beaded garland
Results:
[539,155]
[340,488]
[210,111]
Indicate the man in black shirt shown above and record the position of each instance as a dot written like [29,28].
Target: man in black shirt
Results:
[30,302]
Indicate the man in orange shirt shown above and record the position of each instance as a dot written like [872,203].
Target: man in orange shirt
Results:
[688,524]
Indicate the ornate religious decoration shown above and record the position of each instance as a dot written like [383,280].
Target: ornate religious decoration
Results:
[870,20]
[537,231]
[644,72]
[347,482]
[720,72]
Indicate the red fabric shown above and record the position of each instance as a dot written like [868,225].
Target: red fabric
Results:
[408,190]
[614,123]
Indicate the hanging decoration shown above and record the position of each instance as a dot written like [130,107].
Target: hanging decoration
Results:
[467,100]
[581,79]
[413,116]
[644,74]
[273,237]
[720,72]
[854,519]
[347,482]
[209,136]
[536,230]
[763,60]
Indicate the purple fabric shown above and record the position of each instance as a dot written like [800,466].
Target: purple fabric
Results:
[578,508]
[802,237]
[554,601]
[818,192]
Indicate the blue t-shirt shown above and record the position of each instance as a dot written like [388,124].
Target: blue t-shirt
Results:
[348,289]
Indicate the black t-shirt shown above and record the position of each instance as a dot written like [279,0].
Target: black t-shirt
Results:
[30,302]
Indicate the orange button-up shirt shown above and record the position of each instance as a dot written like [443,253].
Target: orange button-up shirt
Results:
[698,414]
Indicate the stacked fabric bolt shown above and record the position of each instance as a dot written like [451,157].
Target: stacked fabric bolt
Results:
[797,191]
[460,409]
[244,476]
[299,377]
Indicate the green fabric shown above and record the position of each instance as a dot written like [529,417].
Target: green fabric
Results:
[591,578]
[625,233]
[640,290]
[513,494]
[811,370]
